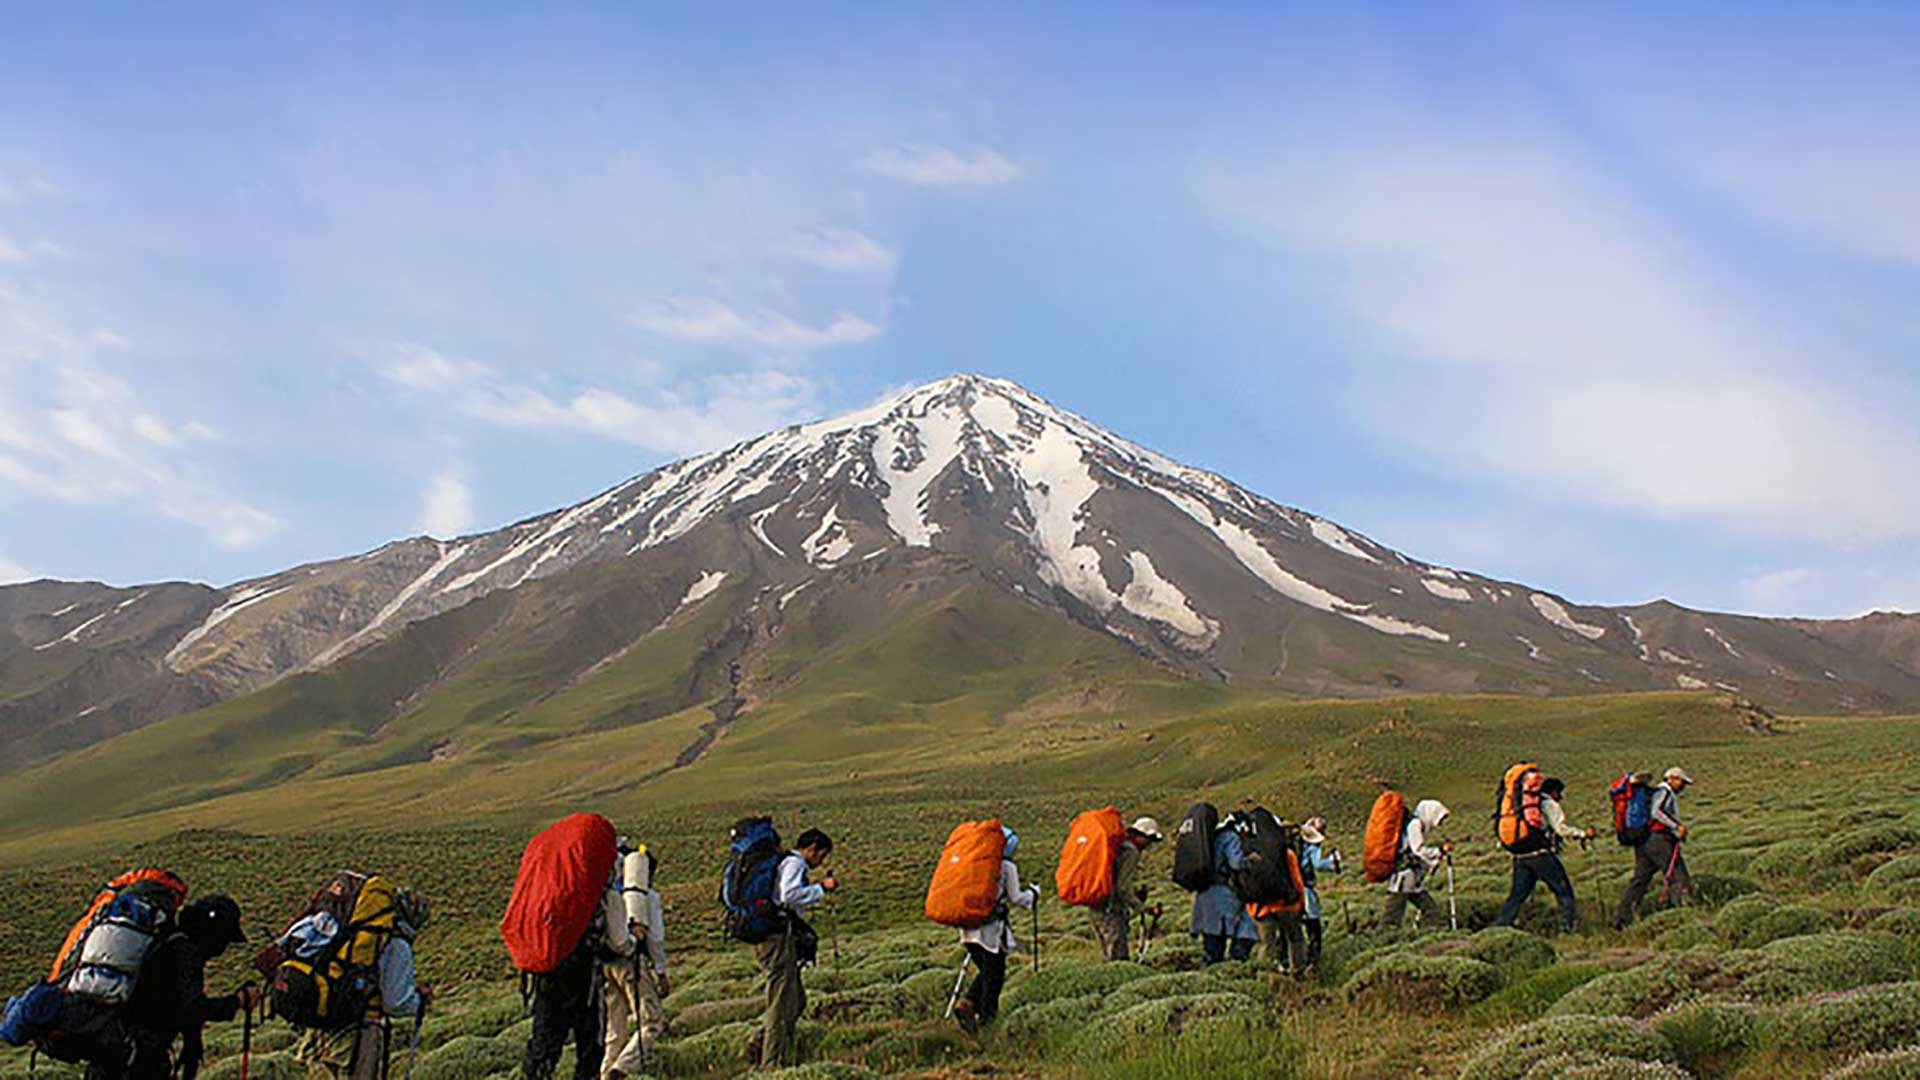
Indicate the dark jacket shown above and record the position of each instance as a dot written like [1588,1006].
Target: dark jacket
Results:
[171,1001]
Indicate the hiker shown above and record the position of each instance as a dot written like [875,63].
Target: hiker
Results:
[1544,865]
[1281,921]
[359,1050]
[1128,900]
[1660,854]
[989,944]
[785,952]
[555,929]
[1219,920]
[1417,859]
[170,1000]
[636,965]
[1315,859]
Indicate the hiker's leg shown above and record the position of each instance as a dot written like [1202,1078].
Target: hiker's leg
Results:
[1395,910]
[1645,867]
[978,987]
[584,1019]
[1428,907]
[549,1035]
[1110,930]
[327,1055]
[620,1045]
[1296,944]
[1681,891]
[993,976]
[1240,948]
[1213,947]
[785,1000]
[649,1011]
[1316,934]
[369,1051]
[1269,939]
[1554,872]
[1523,878]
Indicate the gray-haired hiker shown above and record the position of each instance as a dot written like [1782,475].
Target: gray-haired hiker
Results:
[1660,855]
[1419,857]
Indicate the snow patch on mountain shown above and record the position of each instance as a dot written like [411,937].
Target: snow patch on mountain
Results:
[1057,485]
[73,636]
[702,588]
[1533,651]
[1688,682]
[909,456]
[758,523]
[1156,599]
[1554,612]
[1724,643]
[1447,592]
[1337,538]
[828,543]
[240,601]
[448,556]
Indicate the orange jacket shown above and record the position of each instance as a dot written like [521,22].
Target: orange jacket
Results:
[1268,911]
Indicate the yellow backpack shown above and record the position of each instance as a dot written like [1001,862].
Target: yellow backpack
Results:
[328,973]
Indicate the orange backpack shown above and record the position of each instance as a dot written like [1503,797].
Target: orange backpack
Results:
[1385,826]
[1523,827]
[1085,877]
[965,891]
[163,885]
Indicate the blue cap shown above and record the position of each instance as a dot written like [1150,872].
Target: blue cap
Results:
[1013,841]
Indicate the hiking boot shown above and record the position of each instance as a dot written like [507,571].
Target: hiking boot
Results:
[963,1015]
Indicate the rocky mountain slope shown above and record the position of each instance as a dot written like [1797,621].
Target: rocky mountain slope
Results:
[1183,567]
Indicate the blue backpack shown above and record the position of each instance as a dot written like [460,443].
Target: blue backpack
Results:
[1632,809]
[746,889]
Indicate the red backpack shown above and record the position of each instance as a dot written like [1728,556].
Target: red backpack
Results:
[563,879]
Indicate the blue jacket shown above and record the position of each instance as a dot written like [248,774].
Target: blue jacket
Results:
[1217,911]
[1313,860]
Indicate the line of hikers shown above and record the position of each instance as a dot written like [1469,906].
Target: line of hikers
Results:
[585,927]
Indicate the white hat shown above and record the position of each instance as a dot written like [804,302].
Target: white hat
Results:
[1680,774]
[1311,833]
[1149,828]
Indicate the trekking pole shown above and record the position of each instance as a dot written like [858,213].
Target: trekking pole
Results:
[246,1034]
[1453,909]
[958,978]
[413,1046]
[1036,934]
[833,934]
[1666,884]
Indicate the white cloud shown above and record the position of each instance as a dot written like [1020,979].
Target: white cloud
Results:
[12,573]
[933,165]
[446,507]
[154,430]
[838,249]
[1541,329]
[11,252]
[706,321]
[684,418]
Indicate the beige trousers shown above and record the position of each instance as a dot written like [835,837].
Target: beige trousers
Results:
[635,1018]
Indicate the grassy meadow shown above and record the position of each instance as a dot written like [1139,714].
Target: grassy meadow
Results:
[1801,957]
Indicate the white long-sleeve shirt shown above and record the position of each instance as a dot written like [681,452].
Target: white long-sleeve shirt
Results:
[996,935]
[620,939]
[791,891]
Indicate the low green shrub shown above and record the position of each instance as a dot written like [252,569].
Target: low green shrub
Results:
[881,1001]
[1233,1048]
[1709,1035]
[1713,890]
[1752,921]
[1903,923]
[1513,952]
[1169,1016]
[1867,839]
[924,1048]
[1529,997]
[1889,1065]
[697,1018]
[1220,978]
[1640,991]
[1044,1025]
[1070,978]
[487,1017]
[1834,960]
[722,1046]
[1897,877]
[1602,1067]
[1782,861]
[1883,1017]
[822,1070]
[465,1057]
[1514,1055]
[274,1066]
[1410,982]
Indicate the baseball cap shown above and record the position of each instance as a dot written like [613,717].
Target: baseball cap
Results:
[1148,827]
[1680,774]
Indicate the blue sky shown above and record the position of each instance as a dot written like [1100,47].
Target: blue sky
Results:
[1618,300]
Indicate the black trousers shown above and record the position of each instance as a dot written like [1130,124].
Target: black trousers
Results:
[1216,946]
[1652,860]
[990,970]
[1529,870]
[1316,934]
[566,1001]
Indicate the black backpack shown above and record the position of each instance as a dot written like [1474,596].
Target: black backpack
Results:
[1264,842]
[1193,848]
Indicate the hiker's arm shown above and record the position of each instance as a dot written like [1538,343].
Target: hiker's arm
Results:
[398,992]
[1232,852]
[795,894]
[1557,820]
[613,908]
[1010,884]
[656,933]
[196,1009]
[1659,810]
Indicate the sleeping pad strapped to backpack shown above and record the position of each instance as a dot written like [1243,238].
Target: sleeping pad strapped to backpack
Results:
[1386,825]
[328,974]
[563,879]
[1265,841]
[749,908]
[1085,876]
[1522,825]
[1193,848]
[74,1014]
[965,891]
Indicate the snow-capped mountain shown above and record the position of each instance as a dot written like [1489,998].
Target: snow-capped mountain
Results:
[1187,567]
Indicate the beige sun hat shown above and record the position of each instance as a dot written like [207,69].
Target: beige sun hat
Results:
[1148,828]
[1680,774]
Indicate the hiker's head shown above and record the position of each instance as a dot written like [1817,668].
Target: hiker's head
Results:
[1677,778]
[1013,841]
[213,922]
[1314,830]
[412,909]
[1553,788]
[814,846]
[1431,812]
[1145,831]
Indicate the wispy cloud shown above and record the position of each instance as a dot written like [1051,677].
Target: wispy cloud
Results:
[838,249]
[12,573]
[706,321]
[933,165]
[685,418]
[446,506]
[1504,276]
[15,190]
